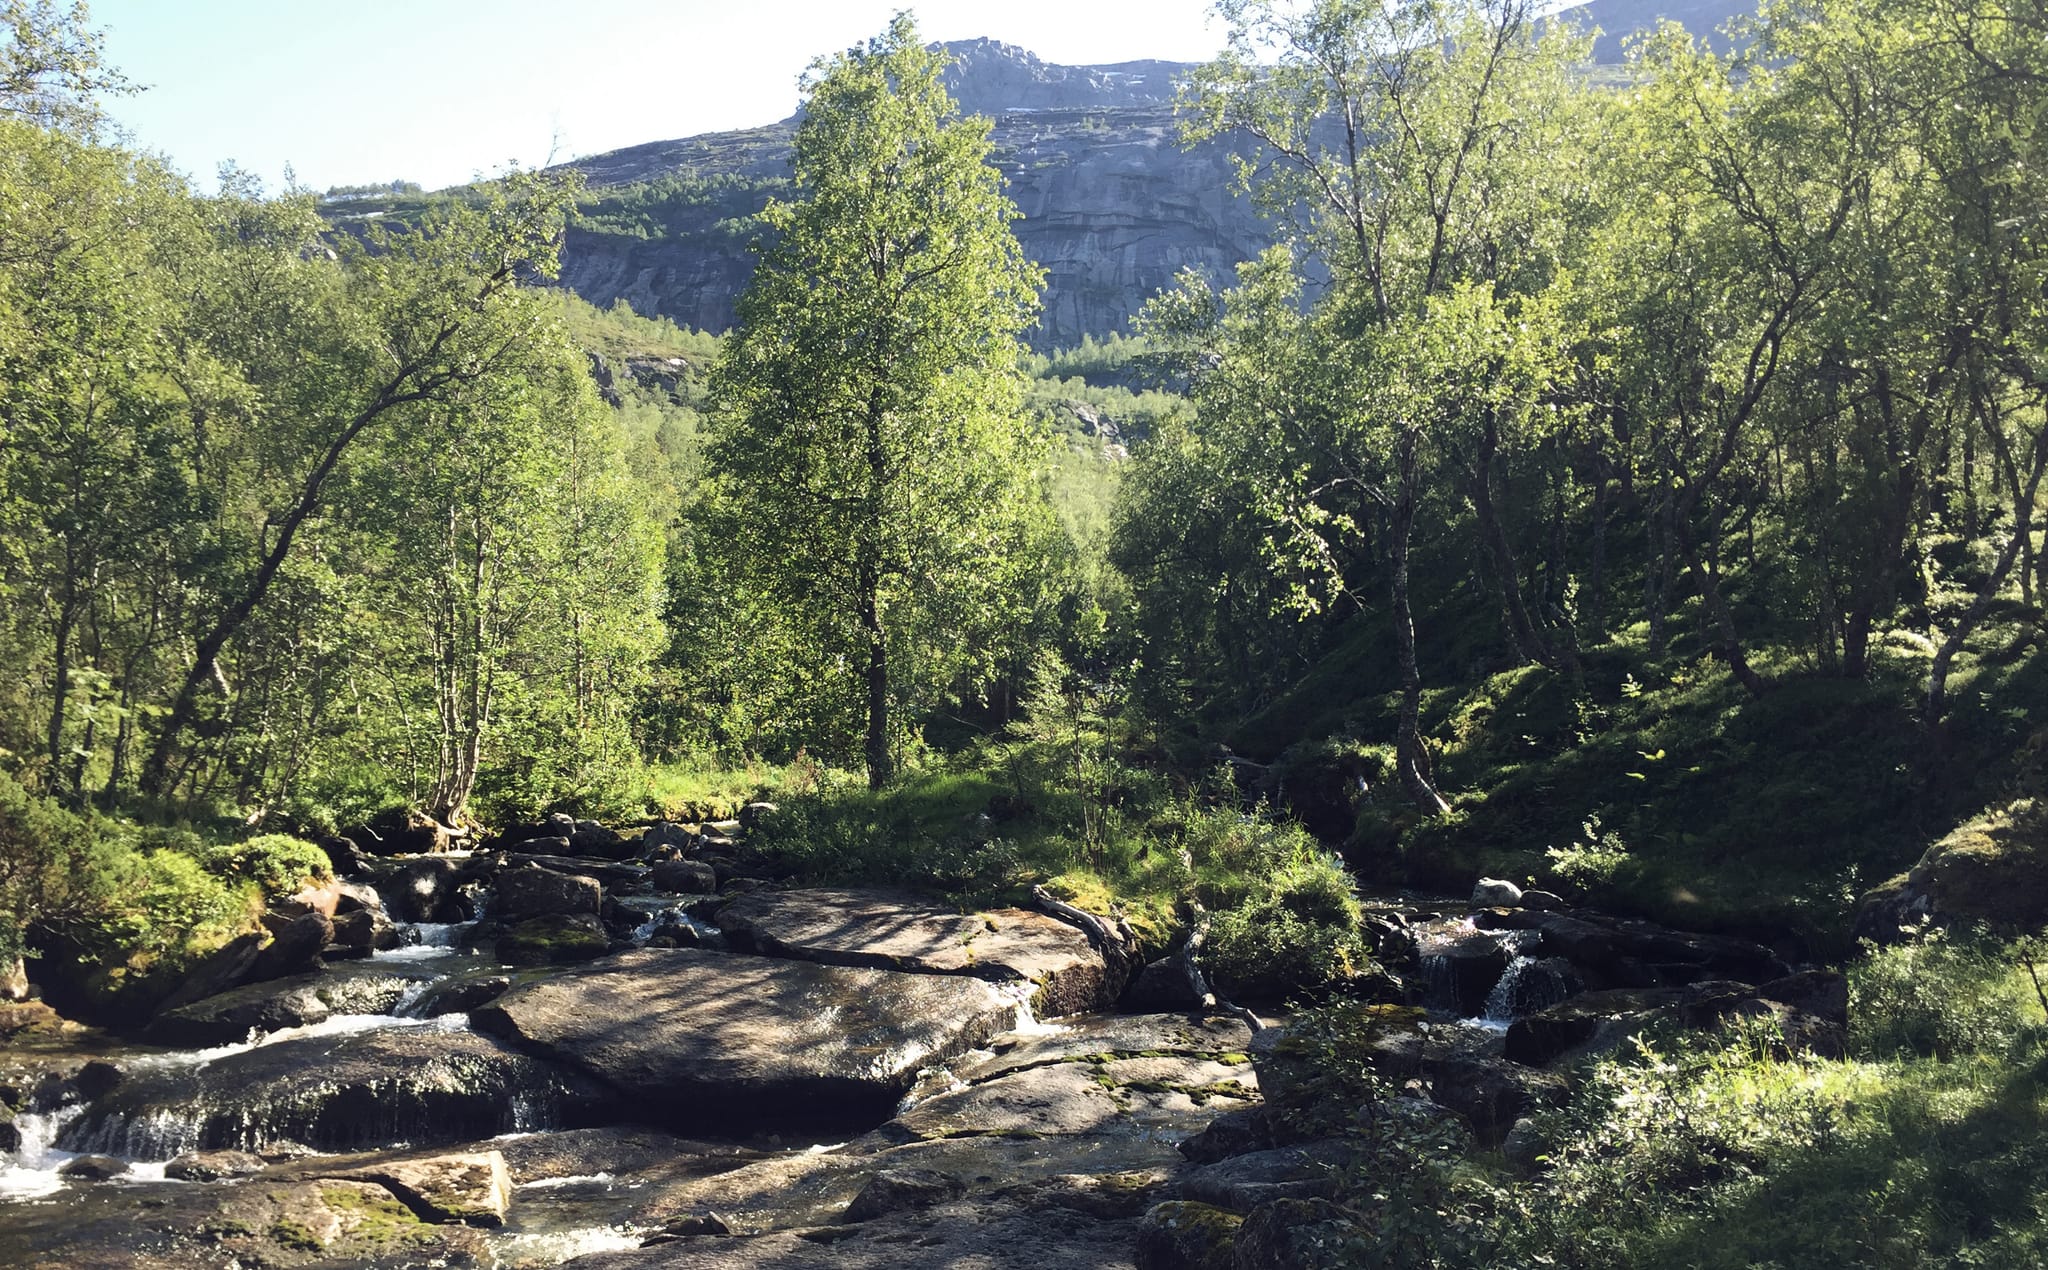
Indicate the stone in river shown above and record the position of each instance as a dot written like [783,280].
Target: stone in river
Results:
[691,1038]
[875,928]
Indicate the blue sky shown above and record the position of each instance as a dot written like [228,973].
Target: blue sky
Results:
[437,91]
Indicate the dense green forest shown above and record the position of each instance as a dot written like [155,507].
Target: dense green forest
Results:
[1628,485]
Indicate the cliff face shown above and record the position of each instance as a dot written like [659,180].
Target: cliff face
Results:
[1113,207]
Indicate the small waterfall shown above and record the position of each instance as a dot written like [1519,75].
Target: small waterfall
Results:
[31,1170]
[1528,985]
[419,941]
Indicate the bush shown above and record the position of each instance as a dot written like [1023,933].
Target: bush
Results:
[277,863]
[1297,930]
[1940,996]
[47,865]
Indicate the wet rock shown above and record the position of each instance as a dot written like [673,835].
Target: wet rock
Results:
[692,1038]
[473,1188]
[553,940]
[666,833]
[885,931]
[537,892]
[691,1226]
[590,838]
[893,1190]
[1542,901]
[428,1085]
[462,994]
[685,877]
[1546,1035]
[754,814]
[1616,952]
[1183,1235]
[92,1168]
[343,854]
[427,890]
[212,1166]
[1090,1095]
[1460,969]
[334,1222]
[362,932]
[1496,893]
[230,1016]
[97,1079]
[1297,1234]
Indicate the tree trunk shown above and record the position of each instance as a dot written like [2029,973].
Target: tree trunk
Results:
[881,768]
[1409,755]
[1728,644]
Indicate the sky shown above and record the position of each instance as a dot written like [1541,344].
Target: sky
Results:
[440,91]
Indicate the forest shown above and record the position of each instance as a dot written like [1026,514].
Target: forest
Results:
[1625,486]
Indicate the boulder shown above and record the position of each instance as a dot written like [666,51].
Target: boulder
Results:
[427,890]
[1238,1132]
[343,854]
[881,930]
[294,945]
[1243,1182]
[1182,1235]
[552,940]
[894,1190]
[212,1166]
[321,898]
[685,877]
[92,1168]
[1496,893]
[1491,1093]
[1161,985]
[696,1039]
[1992,871]
[14,981]
[587,837]
[473,1187]
[754,814]
[1298,1234]
[217,972]
[666,833]
[230,1016]
[425,1084]
[362,932]
[1542,901]
[462,994]
[531,891]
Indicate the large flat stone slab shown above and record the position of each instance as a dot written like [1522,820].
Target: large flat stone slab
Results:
[699,1040]
[893,932]
[425,1085]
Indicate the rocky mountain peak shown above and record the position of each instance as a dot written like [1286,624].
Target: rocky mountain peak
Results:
[989,77]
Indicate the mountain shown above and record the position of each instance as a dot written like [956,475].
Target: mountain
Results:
[1113,207]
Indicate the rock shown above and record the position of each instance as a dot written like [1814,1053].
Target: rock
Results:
[754,814]
[294,946]
[878,929]
[693,1038]
[1544,1036]
[1161,985]
[463,994]
[230,1016]
[321,899]
[92,1168]
[10,1133]
[1613,952]
[1297,1234]
[427,890]
[1524,1146]
[685,877]
[1460,969]
[691,1226]
[362,932]
[329,1222]
[1542,901]
[538,892]
[1181,1235]
[217,972]
[1991,870]
[355,897]
[1243,1182]
[590,838]
[212,1166]
[553,940]
[1491,1093]
[665,833]
[1237,1132]
[343,854]
[424,1085]
[473,1188]
[892,1190]
[1496,893]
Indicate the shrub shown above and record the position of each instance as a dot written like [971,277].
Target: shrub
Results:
[47,866]
[277,863]
[1297,930]
[1939,996]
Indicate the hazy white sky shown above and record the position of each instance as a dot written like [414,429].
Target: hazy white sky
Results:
[437,91]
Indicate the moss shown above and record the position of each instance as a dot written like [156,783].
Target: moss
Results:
[373,1219]
[291,1234]
[542,941]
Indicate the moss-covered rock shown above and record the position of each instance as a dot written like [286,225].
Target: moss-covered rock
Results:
[1992,870]
[553,940]
[1180,1235]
